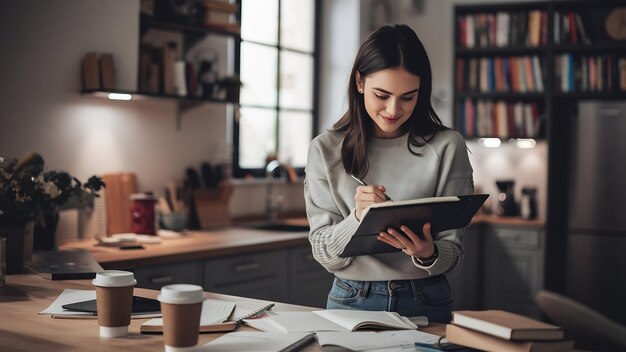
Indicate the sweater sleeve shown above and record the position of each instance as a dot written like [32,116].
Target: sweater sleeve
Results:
[455,178]
[330,231]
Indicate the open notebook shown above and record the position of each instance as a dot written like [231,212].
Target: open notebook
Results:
[444,213]
[331,320]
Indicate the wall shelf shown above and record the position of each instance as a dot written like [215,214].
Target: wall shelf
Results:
[184,103]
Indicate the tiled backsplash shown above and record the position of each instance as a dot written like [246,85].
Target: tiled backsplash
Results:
[527,167]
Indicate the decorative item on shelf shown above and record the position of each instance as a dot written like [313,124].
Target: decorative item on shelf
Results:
[506,198]
[180,11]
[220,15]
[98,72]
[231,85]
[616,24]
[529,203]
[29,196]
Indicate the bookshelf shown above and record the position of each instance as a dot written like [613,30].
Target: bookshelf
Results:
[579,61]
[514,61]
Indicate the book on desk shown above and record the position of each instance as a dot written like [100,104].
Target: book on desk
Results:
[497,330]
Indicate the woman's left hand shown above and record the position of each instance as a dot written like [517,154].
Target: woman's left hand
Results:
[409,242]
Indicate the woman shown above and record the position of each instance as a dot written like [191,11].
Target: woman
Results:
[391,138]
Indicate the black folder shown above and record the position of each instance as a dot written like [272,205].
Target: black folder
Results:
[140,305]
[444,213]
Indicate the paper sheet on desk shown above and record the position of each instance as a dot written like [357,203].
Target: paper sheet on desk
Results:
[213,312]
[69,295]
[387,341]
[251,341]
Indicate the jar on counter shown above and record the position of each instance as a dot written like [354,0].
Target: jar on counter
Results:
[143,213]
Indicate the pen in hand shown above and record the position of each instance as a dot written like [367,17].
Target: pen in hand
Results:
[365,184]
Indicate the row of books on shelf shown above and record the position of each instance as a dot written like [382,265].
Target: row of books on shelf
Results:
[518,74]
[486,118]
[569,29]
[496,330]
[503,29]
[604,73]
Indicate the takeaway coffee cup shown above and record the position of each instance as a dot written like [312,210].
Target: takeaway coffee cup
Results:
[114,300]
[181,306]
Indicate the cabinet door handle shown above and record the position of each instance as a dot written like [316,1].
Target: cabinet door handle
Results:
[509,236]
[246,267]
[161,279]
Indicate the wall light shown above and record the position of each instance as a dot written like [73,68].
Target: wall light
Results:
[525,143]
[490,142]
[119,96]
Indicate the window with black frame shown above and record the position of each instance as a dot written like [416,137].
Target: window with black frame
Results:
[278,56]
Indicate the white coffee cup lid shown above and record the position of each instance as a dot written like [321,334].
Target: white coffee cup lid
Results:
[114,278]
[181,294]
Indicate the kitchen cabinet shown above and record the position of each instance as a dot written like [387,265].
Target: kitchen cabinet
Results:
[177,273]
[309,282]
[503,266]
[287,275]
[262,275]
[513,268]
[464,283]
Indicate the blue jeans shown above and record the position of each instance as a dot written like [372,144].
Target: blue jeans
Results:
[430,297]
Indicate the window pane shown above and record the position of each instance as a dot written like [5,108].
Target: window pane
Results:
[296,21]
[257,136]
[296,80]
[295,136]
[258,74]
[259,21]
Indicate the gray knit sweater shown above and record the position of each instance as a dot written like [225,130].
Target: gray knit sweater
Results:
[442,169]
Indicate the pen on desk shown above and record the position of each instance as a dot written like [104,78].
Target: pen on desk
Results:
[300,344]
[365,184]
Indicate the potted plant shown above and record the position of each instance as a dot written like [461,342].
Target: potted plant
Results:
[31,196]
[231,85]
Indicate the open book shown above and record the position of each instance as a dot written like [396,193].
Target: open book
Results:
[214,316]
[444,213]
[331,320]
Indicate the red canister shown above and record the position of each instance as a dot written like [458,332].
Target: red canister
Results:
[143,214]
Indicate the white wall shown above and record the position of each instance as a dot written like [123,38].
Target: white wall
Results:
[339,44]
[42,110]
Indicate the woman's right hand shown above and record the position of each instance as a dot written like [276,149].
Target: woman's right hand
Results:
[366,196]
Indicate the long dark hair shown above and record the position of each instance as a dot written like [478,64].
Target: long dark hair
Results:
[388,47]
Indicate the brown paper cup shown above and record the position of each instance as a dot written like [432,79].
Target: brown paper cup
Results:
[115,305]
[114,301]
[181,323]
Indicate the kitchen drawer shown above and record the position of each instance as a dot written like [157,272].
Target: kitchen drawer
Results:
[157,277]
[240,269]
[301,259]
[519,238]
[309,281]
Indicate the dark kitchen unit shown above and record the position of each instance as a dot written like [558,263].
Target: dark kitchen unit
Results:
[595,246]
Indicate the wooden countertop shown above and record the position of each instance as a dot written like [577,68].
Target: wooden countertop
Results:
[506,220]
[22,329]
[194,246]
[228,241]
